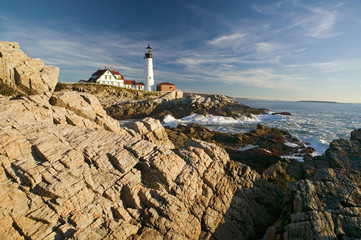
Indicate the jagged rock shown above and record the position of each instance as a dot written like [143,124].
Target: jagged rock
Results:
[327,203]
[261,149]
[24,74]
[180,107]
[152,130]
[75,179]
[356,135]
[68,170]
[83,105]
[282,113]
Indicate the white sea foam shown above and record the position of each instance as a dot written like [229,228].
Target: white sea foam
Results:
[314,123]
[170,121]
[298,158]
[293,145]
[248,147]
[219,120]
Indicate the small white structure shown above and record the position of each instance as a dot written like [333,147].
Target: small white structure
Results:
[148,70]
[107,77]
[130,84]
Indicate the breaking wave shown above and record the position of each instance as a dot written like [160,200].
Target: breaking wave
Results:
[220,123]
[316,124]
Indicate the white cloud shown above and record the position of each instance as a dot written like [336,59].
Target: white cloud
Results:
[263,78]
[328,67]
[80,50]
[227,41]
[316,21]
[268,47]
[265,9]
[320,25]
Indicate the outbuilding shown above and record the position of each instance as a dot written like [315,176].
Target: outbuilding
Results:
[166,87]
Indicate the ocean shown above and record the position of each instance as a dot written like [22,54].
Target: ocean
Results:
[315,123]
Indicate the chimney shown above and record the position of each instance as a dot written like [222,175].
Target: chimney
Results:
[100,69]
[115,69]
[105,67]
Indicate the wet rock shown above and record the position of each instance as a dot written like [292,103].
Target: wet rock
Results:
[356,135]
[282,113]
[219,105]
[326,203]
[259,149]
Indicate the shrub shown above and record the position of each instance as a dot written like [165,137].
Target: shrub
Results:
[60,86]
[6,90]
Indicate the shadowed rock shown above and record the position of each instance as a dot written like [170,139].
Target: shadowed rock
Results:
[327,204]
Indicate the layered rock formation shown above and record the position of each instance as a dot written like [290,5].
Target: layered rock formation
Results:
[261,149]
[110,95]
[327,204]
[68,170]
[129,104]
[23,74]
[158,108]
[64,175]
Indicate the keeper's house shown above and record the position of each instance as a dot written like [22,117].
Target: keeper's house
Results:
[114,78]
[107,77]
[166,87]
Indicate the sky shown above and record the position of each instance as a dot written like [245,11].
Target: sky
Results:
[263,49]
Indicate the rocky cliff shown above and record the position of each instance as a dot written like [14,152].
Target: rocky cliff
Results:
[219,105]
[25,75]
[327,204]
[68,170]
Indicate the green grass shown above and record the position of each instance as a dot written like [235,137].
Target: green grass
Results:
[61,86]
[100,88]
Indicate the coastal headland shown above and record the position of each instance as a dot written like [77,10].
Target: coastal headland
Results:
[70,170]
[314,101]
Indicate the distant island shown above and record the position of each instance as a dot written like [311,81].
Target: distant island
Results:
[317,101]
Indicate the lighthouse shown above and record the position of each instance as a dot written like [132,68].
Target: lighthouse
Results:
[148,69]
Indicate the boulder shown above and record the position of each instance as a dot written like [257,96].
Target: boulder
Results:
[24,74]
[259,148]
[152,130]
[356,135]
[83,105]
[326,204]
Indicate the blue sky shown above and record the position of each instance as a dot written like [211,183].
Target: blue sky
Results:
[287,50]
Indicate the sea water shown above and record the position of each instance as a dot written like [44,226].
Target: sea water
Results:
[315,123]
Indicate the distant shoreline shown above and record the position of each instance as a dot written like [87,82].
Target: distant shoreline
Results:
[314,101]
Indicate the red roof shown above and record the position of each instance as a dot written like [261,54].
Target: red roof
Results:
[139,83]
[166,83]
[129,82]
[115,73]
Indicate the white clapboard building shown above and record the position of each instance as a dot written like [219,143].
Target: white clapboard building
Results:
[107,77]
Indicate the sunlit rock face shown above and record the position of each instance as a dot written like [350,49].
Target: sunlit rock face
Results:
[26,75]
[65,173]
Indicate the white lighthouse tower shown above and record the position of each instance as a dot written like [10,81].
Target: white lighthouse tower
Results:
[148,70]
